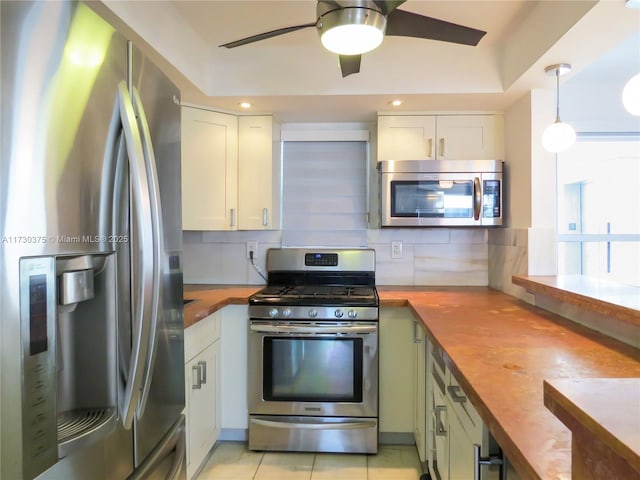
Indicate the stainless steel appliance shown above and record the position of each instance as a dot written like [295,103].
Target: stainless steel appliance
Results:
[423,193]
[313,353]
[91,332]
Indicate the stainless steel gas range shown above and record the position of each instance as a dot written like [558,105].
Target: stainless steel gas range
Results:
[313,353]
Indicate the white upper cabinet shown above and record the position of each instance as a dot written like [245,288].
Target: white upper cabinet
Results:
[227,171]
[209,170]
[255,201]
[406,137]
[440,137]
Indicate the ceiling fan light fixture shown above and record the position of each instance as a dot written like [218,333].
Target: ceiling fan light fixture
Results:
[352,31]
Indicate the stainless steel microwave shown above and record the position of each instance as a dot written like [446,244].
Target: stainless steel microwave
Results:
[426,193]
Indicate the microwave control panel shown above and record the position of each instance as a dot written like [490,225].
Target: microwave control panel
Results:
[491,199]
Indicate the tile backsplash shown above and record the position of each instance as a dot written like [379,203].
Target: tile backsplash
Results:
[429,257]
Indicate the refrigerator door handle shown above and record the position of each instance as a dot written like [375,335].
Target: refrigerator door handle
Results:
[141,293]
[158,245]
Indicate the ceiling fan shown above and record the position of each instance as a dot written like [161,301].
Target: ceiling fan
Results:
[341,22]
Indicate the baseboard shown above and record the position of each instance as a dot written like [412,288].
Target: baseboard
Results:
[234,435]
[396,438]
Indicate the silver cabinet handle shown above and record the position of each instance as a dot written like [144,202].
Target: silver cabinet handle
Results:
[442,147]
[437,411]
[455,395]
[232,217]
[416,338]
[197,372]
[265,216]
[490,460]
[430,147]
[203,371]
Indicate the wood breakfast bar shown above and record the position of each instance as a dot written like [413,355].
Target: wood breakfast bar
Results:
[502,350]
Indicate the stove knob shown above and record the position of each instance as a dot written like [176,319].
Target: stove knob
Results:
[273,312]
[313,313]
[338,313]
[352,314]
[286,312]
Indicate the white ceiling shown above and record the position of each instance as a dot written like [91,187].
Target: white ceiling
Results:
[293,77]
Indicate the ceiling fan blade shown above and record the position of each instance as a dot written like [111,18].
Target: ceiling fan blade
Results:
[349,64]
[407,24]
[265,35]
[388,6]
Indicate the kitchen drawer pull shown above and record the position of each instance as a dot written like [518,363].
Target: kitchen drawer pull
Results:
[232,215]
[416,338]
[455,395]
[430,149]
[490,460]
[440,430]
[196,371]
[265,216]
[203,370]
[442,147]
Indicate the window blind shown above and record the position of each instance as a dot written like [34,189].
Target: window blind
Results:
[324,194]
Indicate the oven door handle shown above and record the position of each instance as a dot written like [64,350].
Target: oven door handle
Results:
[338,425]
[316,330]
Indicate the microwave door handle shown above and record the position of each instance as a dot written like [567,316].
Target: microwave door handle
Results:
[477,198]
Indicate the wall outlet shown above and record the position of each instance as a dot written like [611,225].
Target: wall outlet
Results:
[396,249]
[252,246]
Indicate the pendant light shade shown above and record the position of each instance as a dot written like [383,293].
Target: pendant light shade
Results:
[631,95]
[352,31]
[558,136]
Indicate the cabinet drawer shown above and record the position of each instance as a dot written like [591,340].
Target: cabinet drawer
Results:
[200,335]
[465,411]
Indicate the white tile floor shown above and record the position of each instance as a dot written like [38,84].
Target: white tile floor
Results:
[232,461]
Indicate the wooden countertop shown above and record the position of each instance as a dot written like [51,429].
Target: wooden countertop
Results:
[595,405]
[500,350]
[601,296]
[210,298]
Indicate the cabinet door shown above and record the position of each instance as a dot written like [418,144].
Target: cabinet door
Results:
[469,137]
[209,170]
[440,431]
[396,360]
[461,455]
[420,407]
[410,137]
[255,196]
[201,377]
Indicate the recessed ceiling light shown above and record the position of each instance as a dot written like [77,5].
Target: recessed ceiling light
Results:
[395,103]
[245,105]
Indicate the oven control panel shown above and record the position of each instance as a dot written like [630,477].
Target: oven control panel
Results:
[315,312]
[321,259]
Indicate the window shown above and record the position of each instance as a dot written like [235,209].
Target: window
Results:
[599,210]
[324,194]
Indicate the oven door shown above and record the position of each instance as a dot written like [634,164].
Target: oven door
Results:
[313,368]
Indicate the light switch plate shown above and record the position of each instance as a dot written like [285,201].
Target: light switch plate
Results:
[396,249]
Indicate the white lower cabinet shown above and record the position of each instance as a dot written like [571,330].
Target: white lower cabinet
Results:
[438,421]
[420,383]
[397,376]
[202,389]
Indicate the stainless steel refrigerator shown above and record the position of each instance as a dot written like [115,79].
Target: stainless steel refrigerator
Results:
[91,310]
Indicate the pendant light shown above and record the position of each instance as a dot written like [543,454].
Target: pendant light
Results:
[558,136]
